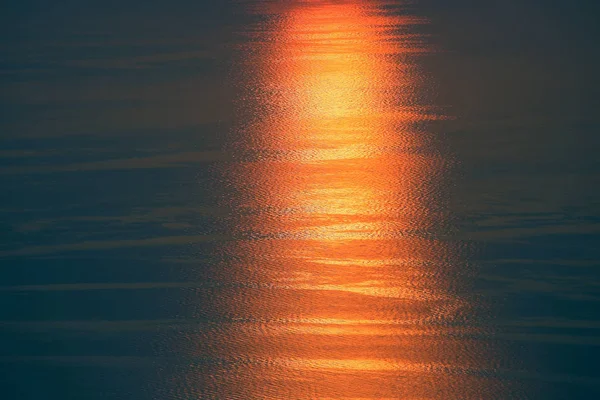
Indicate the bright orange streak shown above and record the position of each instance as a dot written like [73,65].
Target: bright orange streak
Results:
[337,200]
[335,100]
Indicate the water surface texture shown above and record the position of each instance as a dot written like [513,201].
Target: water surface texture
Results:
[302,199]
[339,211]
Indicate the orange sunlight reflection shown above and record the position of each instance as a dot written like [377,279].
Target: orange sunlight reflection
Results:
[337,211]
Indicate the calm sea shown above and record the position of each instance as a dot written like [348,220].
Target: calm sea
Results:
[303,199]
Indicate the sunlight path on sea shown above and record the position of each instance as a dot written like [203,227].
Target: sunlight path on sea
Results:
[339,216]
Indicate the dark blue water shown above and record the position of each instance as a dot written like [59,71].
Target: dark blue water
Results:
[299,200]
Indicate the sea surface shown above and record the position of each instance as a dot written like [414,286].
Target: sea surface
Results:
[303,199]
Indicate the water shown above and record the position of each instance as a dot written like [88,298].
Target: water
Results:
[299,200]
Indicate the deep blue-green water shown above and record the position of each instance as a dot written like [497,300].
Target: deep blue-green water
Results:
[299,199]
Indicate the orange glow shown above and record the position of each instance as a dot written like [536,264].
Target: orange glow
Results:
[336,212]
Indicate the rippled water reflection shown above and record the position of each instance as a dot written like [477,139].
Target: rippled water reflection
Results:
[340,214]
[299,199]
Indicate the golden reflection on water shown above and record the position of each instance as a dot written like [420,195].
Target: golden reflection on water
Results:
[337,217]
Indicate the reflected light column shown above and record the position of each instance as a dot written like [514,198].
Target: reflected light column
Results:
[336,216]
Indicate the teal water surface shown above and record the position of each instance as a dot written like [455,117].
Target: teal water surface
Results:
[299,199]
